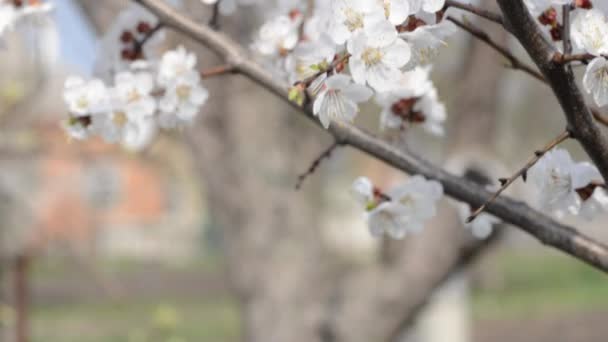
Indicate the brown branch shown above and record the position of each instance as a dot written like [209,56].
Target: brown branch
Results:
[560,58]
[217,71]
[506,182]
[214,21]
[581,123]
[515,63]
[539,225]
[325,155]
[489,15]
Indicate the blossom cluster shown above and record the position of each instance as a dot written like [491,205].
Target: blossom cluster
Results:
[345,52]
[567,187]
[143,93]
[400,211]
[14,11]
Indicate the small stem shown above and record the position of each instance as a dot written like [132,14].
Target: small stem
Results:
[139,45]
[495,17]
[506,182]
[217,71]
[214,22]
[326,154]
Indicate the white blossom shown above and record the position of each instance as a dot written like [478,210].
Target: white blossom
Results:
[133,92]
[595,80]
[413,101]
[558,178]
[408,207]
[309,58]
[351,16]
[589,32]
[278,36]
[396,11]
[339,99]
[182,100]
[377,53]
[425,41]
[363,191]
[85,97]
[174,65]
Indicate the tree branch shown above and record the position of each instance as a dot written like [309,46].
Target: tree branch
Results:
[581,123]
[545,229]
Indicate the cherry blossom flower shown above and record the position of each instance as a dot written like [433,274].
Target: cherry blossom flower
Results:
[414,101]
[403,209]
[425,41]
[363,192]
[558,179]
[174,65]
[377,54]
[182,100]
[85,97]
[396,11]
[132,91]
[278,36]
[351,16]
[595,80]
[309,58]
[589,32]
[339,99]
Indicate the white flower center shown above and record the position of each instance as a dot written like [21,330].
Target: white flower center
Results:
[119,119]
[82,102]
[133,96]
[183,92]
[372,56]
[602,76]
[354,19]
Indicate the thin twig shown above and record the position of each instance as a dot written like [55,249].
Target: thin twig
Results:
[217,71]
[139,44]
[495,17]
[326,154]
[331,67]
[214,22]
[515,63]
[506,182]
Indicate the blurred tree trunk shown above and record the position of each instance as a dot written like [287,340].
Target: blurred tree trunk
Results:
[249,151]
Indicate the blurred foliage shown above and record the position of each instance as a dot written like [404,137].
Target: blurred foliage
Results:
[536,285]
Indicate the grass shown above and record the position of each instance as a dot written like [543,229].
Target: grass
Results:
[209,320]
[540,285]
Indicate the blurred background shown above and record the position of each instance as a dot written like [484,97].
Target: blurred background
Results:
[201,236]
